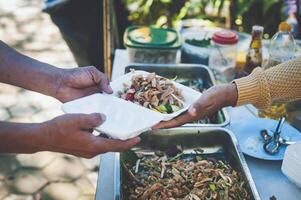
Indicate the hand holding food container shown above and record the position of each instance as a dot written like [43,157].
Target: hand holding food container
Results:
[222,59]
[140,100]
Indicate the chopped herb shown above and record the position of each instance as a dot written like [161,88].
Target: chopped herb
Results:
[199,43]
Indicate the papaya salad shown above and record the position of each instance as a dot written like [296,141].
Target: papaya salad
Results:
[153,92]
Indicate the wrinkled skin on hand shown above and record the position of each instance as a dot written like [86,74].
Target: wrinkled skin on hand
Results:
[71,134]
[210,102]
[79,82]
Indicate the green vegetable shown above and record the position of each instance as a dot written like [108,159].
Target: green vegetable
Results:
[174,78]
[175,157]
[220,117]
[119,93]
[125,90]
[175,108]
[199,43]
[168,108]
[212,187]
[162,109]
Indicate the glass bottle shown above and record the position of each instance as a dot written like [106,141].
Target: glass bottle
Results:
[254,55]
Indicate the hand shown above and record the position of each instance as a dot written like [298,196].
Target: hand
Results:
[210,102]
[70,134]
[80,82]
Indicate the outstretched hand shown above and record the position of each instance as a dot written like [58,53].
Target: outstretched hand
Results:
[210,102]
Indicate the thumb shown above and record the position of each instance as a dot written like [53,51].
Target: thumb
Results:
[100,79]
[88,121]
[196,108]
[192,111]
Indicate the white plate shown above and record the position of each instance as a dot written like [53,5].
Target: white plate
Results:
[125,119]
[189,94]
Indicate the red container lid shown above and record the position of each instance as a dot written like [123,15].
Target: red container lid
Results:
[225,37]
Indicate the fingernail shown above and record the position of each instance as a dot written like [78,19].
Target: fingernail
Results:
[110,90]
[103,116]
[192,111]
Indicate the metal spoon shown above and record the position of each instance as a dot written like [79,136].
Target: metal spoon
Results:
[272,147]
[265,134]
[286,142]
[281,139]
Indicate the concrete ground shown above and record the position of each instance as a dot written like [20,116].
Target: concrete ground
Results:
[42,175]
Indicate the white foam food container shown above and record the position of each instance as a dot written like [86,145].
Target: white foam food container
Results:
[291,165]
[126,119]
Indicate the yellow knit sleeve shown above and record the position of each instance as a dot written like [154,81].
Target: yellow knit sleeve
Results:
[285,81]
[281,83]
[253,89]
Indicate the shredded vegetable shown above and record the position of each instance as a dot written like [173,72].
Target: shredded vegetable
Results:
[178,178]
[153,92]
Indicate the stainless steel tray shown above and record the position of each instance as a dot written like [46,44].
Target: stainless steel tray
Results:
[186,73]
[216,142]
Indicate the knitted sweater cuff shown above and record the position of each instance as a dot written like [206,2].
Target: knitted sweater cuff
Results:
[253,89]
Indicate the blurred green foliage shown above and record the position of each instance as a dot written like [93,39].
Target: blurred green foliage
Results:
[236,14]
[267,13]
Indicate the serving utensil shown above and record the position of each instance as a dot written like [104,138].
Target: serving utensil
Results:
[281,139]
[272,145]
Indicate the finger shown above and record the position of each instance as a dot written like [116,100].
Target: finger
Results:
[197,107]
[192,111]
[100,79]
[111,145]
[105,85]
[178,121]
[90,90]
[88,121]
[81,77]
[95,74]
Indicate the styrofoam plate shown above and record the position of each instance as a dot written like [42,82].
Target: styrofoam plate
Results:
[291,165]
[125,119]
[189,94]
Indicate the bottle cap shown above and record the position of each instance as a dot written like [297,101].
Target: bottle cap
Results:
[225,37]
[257,28]
[283,26]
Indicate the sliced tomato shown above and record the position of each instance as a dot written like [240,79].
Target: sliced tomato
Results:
[129,97]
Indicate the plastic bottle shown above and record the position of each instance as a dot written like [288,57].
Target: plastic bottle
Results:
[282,48]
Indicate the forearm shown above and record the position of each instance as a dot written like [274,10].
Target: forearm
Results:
[279,83]
[22,71]
[21,137]
[284,81]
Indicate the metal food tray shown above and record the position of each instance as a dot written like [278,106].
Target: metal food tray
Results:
[217,143]
[187,72]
